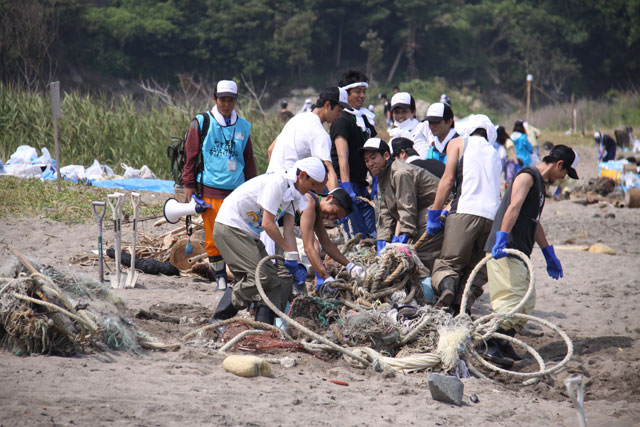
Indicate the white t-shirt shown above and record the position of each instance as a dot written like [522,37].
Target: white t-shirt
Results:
[303,136]
[422,138]
[481,169]
[272,192]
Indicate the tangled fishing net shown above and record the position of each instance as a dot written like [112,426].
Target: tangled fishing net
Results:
[57,313]
[384,322]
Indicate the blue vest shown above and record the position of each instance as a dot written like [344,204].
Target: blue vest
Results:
[221,146]
[523,148]
[436,155]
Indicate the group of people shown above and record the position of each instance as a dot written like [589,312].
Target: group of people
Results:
[428,178]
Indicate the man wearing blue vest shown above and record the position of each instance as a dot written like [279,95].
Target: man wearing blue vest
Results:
[222,164]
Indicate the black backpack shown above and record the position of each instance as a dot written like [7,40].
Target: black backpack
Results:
[177,156]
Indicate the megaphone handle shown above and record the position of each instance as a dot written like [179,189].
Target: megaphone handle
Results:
[187,220]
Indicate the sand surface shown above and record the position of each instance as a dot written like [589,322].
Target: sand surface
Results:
[596,304]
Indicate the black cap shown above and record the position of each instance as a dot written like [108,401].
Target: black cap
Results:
[568,155]
[400,143]
[335,94]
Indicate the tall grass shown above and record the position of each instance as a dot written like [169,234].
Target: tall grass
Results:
[111,130]
[615,110]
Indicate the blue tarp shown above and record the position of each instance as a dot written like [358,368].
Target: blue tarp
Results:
[157,185]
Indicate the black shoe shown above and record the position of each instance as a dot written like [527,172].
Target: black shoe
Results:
[447,290]
[505,346]
[493,354]
[265,315]
[225,309]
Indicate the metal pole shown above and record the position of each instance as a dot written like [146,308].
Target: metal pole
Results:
[55,108]
[529,80]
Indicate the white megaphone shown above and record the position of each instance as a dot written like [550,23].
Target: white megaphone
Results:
[173,209]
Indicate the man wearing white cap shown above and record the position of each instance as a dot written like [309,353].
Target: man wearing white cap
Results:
[254,207]
[403,109]
[219,157]
[517,226]
[406,192]
[473,171]
[349,133]
[436,131]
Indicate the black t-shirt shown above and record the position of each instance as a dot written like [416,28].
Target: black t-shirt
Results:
[522,235]
[387,107]
[346,127]
[435,167]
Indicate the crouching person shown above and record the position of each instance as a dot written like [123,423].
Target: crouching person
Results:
[256,206]
[335,205]
[517,226]
[406,193]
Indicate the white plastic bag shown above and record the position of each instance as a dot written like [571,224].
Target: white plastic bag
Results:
[146,173]
[23,154]
[130,172]
[73,172]
[24,170]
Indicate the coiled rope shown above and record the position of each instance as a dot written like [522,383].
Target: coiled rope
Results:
[478,331]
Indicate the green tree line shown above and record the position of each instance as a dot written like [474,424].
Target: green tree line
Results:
[572,46]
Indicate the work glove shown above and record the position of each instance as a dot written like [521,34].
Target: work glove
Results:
[300,274]
[380,244]
[374,187]
[356,272]
[291,261]
[403,238]
[554,269]
[500,245]
[434,224]
[324,289]
[346,186]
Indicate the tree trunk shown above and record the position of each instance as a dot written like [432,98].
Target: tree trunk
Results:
[395,65]
[339,47]
[412,70]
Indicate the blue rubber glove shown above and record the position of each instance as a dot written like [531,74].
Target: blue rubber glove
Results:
[380,244]
[374,187]
[554,269]
[434,225]
[300,274]
[500,245]
[403,238]
[346,186]
[291,261]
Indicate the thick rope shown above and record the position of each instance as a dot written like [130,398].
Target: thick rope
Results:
[297,325]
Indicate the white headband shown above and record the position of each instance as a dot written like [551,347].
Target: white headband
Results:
[356,84]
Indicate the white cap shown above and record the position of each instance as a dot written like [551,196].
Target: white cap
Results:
[401,99]
[439,111]
[476,121]
[374,144]
[308,101]
[596,135]
[313,166]
[227,88]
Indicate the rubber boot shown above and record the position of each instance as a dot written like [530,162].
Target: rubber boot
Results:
[226,309]
[447,291]
[505,346]
[219,272]
[265,315]
[493,354]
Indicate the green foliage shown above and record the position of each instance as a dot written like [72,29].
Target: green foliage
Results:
[72,204]
[91,127]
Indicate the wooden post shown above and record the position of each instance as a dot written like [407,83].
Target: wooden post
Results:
[573,116]
[55,108]
[529,80]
